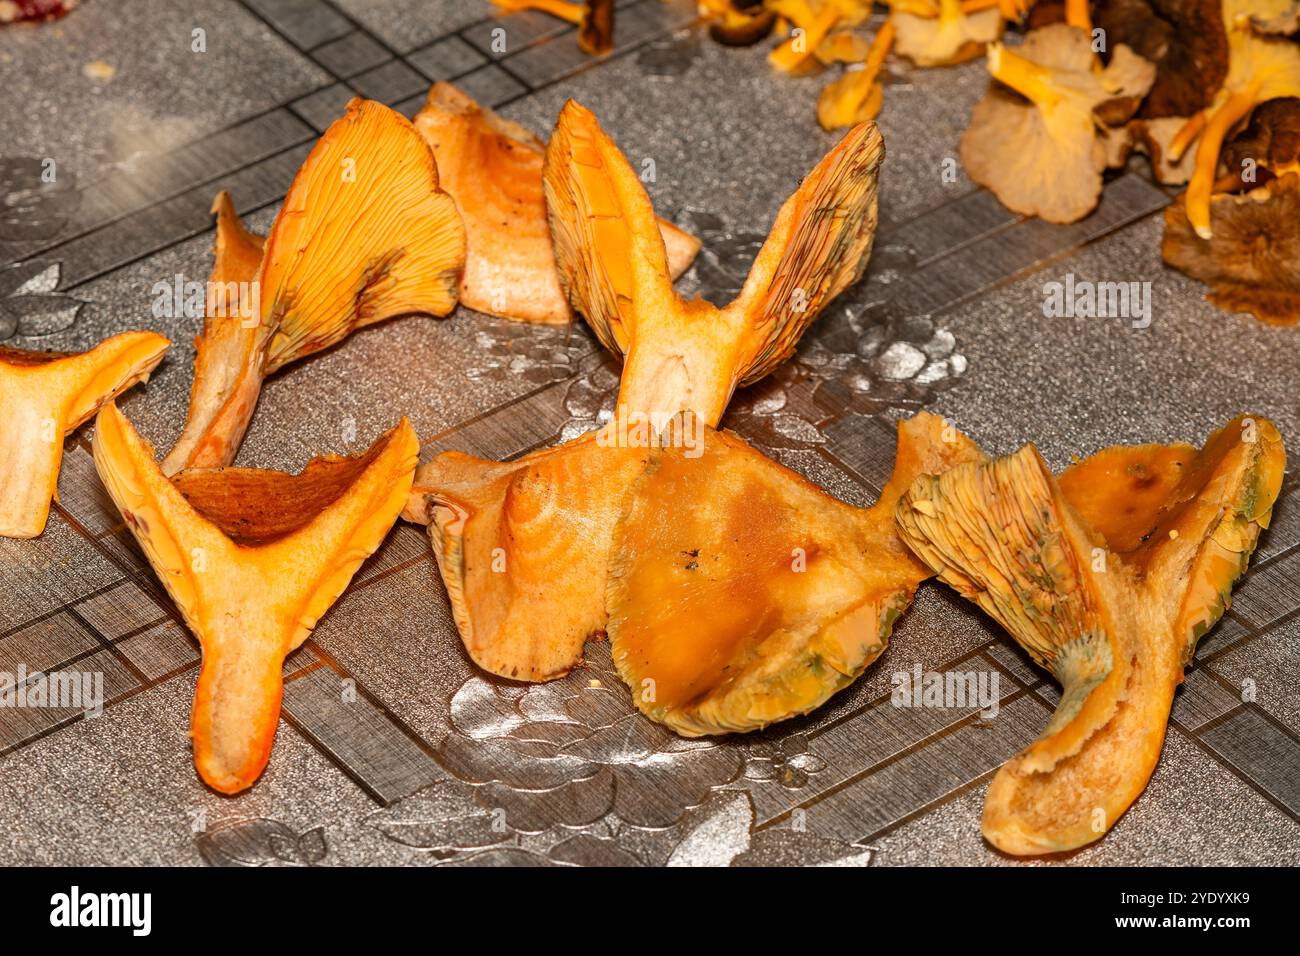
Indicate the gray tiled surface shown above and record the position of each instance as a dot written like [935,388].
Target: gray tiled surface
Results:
[392,748]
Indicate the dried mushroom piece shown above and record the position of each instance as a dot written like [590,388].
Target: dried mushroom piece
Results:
[953,36]
[523,545]
[1252,261]
[1186,41]
[1107,577]
[45,396]
[1268,146]
[492,168]
[253,559]
[740,594]
[1260,69]
[1039,148]
[364,235]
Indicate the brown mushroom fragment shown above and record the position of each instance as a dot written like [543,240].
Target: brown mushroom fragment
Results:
[1252,260]
[523,546]
[740,594]
[253,559]
[1186,41]
[953,36]
[47,395]
[1269,144]
[364,235]
[492,168]
[1034,139]
[1108,578]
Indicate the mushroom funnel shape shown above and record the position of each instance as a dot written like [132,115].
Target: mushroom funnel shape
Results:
[1108,578]
[523,546]
[365,234]
[492,168]
[253,559]
[43,397]
[741,594]
[1041,152]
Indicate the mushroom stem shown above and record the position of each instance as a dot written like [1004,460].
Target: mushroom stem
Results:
[1024,76]
[881,44]
[799,47]
[564,9]
[1076,15]
[975,6]
[950,11]
[1235,108]
[1187,135]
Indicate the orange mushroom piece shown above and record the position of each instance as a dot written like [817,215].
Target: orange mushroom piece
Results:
[253,559]
[365,234]
[1107,576]
[740,594]
[523,546]
[1260,68]
[856,97]
[1042,152]
[593,18]
[492,168]
[954,36]
[47,395]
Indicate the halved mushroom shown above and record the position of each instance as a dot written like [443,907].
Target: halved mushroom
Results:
[253,559]
[1261,68]
[1108,578]
[43,397]
[523,546]
[364,235]
[740,594]
[1038,148]
[492,168]
[593,18]
[1252,261]
[954,36]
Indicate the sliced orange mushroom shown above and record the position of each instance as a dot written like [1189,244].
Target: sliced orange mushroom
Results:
[740,594]
[1107,577]
[253,559]
[364,235]
[492,167]
[954,36]
[1260,68]
[1252,261]
[1040,151]
[43,397]
[523,546]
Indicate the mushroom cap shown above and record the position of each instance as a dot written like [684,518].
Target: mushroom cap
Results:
[1047,159]
[939,41]
[1252,262]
